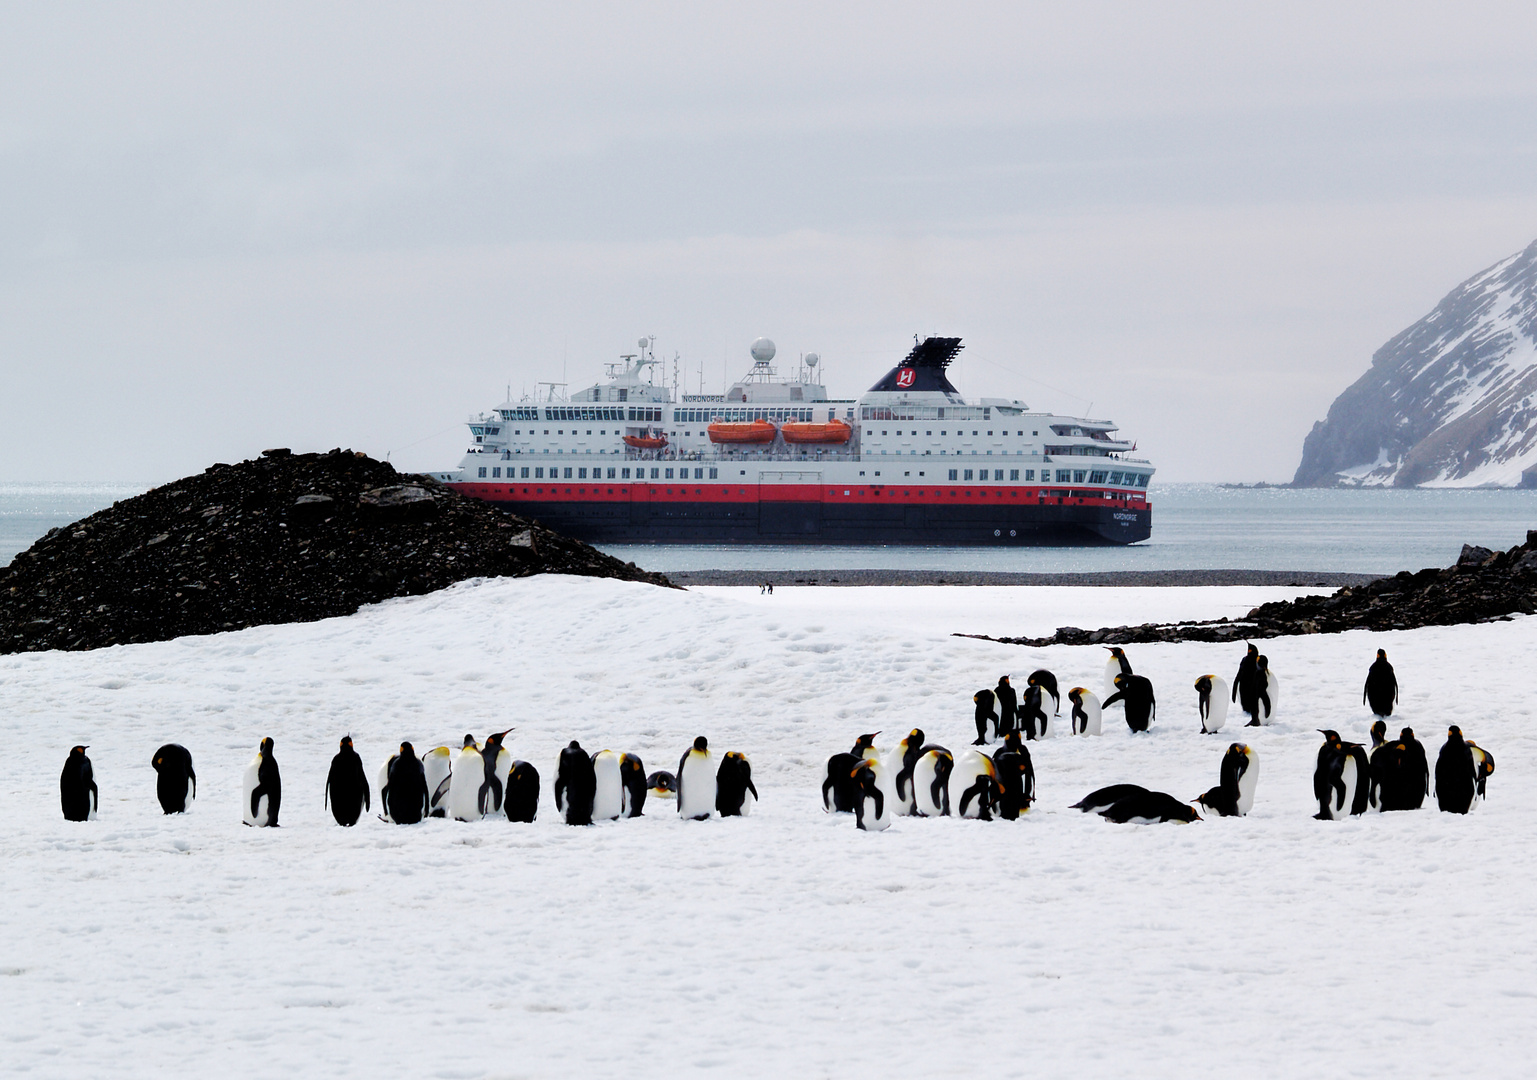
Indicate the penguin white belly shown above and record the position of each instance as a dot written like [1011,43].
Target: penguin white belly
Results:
[1112,669]
[249,784]
[464,785]
[1348,776]
[1247,783]
[924,788]
[381,782]
[888,774]
[968,768]
[1091,714]
[608,796]
[1216,710]
[696,796]
[437,770]
[1273,689]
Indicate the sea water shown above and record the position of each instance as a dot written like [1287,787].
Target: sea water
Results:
[1195,527]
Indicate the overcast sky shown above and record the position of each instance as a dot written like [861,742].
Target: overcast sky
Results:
[227,228]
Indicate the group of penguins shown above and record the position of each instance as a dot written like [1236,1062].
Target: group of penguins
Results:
[475,782]
[924,780]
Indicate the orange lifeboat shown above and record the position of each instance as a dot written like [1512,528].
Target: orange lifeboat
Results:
[834,431]
[646,442]
[759,431]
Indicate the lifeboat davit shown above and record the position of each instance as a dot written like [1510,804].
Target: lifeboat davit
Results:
[646,442]
[834,431]
[759,431]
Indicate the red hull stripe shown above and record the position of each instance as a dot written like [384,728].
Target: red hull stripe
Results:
[589,492]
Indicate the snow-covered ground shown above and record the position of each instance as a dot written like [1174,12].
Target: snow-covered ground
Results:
[787,943]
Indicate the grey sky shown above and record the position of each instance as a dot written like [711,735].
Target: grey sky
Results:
[223,229]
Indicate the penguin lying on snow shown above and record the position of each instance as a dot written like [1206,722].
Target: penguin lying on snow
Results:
[346,785]
[403,788]
[1136,693]
[575,785]
[1462,771]
[662,785]
[733,783]
[522,798]
[1148,808]
[77,787]
[1234,794]
[175,780]
[1211,702]
[262,789]
[1104,797]
[696,781]
[1340,779]
[1085,716]
[1400,773]
[1381,688]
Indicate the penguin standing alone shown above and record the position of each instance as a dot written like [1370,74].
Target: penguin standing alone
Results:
[1340,779]
[1085,717]
[733,783]
[403,793]
[575,785]
[1136,692]
[1381,688]
[175,780]
[696,781]
[346,785]
[1211,702]
[77,786]
[263,789]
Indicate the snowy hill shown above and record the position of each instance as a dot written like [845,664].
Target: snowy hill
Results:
[1450,402]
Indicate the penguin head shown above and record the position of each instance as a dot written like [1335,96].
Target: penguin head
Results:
[1382,654]
[1075,695]
[574,745]
[1003,680]
[1406,734]
[469,740]
[1253,648]
[915,737]
[1116,651]
[701,743]
[346,743]
[1120,680]
[1454,732]
[864,742]
[77,750]
[407,750]
[1330,737]
[1379,731]
[495,741]
[266,747]
[1204,679]
[1262,662]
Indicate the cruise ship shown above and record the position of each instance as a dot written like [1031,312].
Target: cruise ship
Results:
[776,461]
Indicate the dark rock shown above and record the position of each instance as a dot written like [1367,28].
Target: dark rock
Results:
[1473,555]
[281,538]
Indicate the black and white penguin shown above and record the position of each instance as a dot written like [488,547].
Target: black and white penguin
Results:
[1211,702]
[1032,717]
[696,781]
[1341,779]
[1379,733]
[1381,689]
[1269,690]
[496,762]
[1008,704]
[931,782]
[733,785]
[575,785]
[632,774]
[403,791]
[469,776]
[263,789]
[522,799]
[974,788]
[347,785]
[1047,682]
[1148,808]
[77,786]
[1101,798]
[1136,694]
[1400,772]
[1462,770]
[1016,781]
[1116,665]
[840,787]
[1085,716]
[1247,683]
[872,809]
[608,786]
[438,774]
[1239,775]
[984,701]
[662,785]
[175,780]
[900,763]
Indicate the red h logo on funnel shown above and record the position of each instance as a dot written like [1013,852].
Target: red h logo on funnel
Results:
[906,376]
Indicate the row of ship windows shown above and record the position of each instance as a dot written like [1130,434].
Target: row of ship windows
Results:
[1064,476]
[562,412]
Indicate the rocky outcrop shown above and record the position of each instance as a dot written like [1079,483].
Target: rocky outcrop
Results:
[283,538]
[1451,401]
[1481,586]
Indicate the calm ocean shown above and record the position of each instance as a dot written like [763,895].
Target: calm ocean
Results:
[1195,527]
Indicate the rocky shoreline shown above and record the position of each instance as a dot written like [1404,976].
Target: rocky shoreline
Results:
[1098,579]
[281,538]
[1482,586]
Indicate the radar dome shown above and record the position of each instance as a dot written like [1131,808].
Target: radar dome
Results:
[763,350]
[812,359]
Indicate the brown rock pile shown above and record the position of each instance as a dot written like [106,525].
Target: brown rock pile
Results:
[283,538]
[1481,586]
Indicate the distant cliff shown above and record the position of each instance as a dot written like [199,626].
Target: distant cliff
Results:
[1450,402]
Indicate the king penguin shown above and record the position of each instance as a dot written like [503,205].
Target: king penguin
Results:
[575,785]
[1136,692]
[496,763]
[632,774]
[438,774]
[1086,712]
[1340,779]
[662,785]
[1105,797]
[1116,665]
[1462,768]
[864,746]
[608,787]
[1211,702]
[346,785]
[1247,683]
[1269,691]
[522,799]
[403,791]
[974,786]
[696,781]
[263,789]
[77,786]
[840,785]
[1016,781]
[1400,773]
[899,772]
[872,809]
[1239,774]
[1032,714]
[1148,808]
[1047,682]
[733,785]
[175,780]
[1381,688]
[469,776]
[931,782]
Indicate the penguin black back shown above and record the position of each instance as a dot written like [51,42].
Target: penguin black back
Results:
[1381,688]
[269,783]
[175,780]
[1220,800]
[346,785]
[404,798]
[1136,692]
[522,801]
[1147,807]
[1016,782]
[840,787]
[1456,775]
[77,786]
[1047,682]
[733,780]
[1103,797]
[1031,715]
[576,784]
[910,755]
[1247,683]
[632,776]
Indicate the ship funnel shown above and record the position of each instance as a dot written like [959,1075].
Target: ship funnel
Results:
[924,368]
